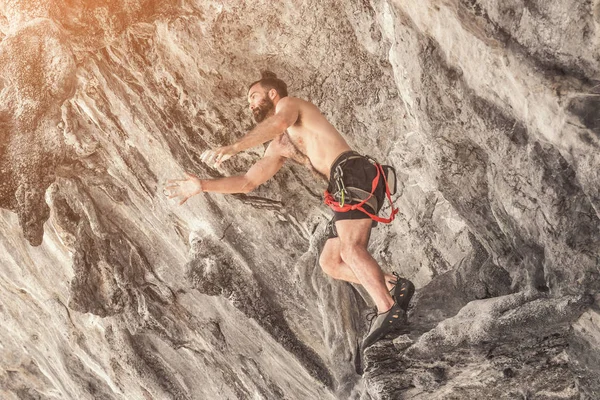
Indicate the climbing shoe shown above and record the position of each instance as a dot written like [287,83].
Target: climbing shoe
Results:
[384,323]
[402,291]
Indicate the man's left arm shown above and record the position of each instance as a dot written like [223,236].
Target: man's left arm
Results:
[286,114]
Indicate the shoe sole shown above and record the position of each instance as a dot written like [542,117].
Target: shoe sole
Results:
[403,292]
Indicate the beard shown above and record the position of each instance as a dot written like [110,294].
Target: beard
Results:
[263,109]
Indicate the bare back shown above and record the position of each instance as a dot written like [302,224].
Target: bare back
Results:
[314,137]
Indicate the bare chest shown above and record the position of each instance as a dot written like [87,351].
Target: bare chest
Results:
[293,149]
[297,138]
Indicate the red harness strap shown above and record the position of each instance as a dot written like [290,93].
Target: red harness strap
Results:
[335,205]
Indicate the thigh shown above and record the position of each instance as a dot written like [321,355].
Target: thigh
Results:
[354,231]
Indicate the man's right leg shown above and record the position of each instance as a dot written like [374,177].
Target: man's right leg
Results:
[332,264]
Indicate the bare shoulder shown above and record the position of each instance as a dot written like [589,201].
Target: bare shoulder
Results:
[294,102]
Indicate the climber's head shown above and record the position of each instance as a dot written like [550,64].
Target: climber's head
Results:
[264,94]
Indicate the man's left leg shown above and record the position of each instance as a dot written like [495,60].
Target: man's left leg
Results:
[332,264]
[353,234]
[354,238]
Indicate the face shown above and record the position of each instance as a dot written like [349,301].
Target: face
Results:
[261,104]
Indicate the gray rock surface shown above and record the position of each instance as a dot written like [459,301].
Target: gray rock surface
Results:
[488,110]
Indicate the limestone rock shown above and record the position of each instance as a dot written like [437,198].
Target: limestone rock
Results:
[488,110]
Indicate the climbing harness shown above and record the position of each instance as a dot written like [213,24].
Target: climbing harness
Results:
[337,201]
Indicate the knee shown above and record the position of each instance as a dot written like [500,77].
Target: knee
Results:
[328,263]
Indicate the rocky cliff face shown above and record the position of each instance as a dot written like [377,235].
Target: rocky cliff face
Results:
[490,112]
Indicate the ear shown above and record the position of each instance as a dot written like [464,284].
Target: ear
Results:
[272,94]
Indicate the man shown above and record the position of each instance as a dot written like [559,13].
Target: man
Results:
[298,131]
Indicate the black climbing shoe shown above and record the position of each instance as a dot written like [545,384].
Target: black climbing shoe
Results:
[384,323]
[402,291]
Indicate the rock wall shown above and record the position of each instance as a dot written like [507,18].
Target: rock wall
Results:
[488,110]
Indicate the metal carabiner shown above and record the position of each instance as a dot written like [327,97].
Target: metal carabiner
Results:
[339,181]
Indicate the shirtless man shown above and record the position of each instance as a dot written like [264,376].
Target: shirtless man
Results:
[298,131]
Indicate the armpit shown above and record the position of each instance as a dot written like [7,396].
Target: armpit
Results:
[284,146]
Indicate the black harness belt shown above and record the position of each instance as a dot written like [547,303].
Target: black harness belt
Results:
[340,200]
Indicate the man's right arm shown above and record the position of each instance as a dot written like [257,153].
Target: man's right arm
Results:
[258,174]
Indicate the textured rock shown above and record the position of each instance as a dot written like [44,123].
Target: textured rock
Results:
[488,110]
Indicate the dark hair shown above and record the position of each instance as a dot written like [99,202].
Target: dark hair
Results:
[269,80]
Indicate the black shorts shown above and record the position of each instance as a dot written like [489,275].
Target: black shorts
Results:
[358,172]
